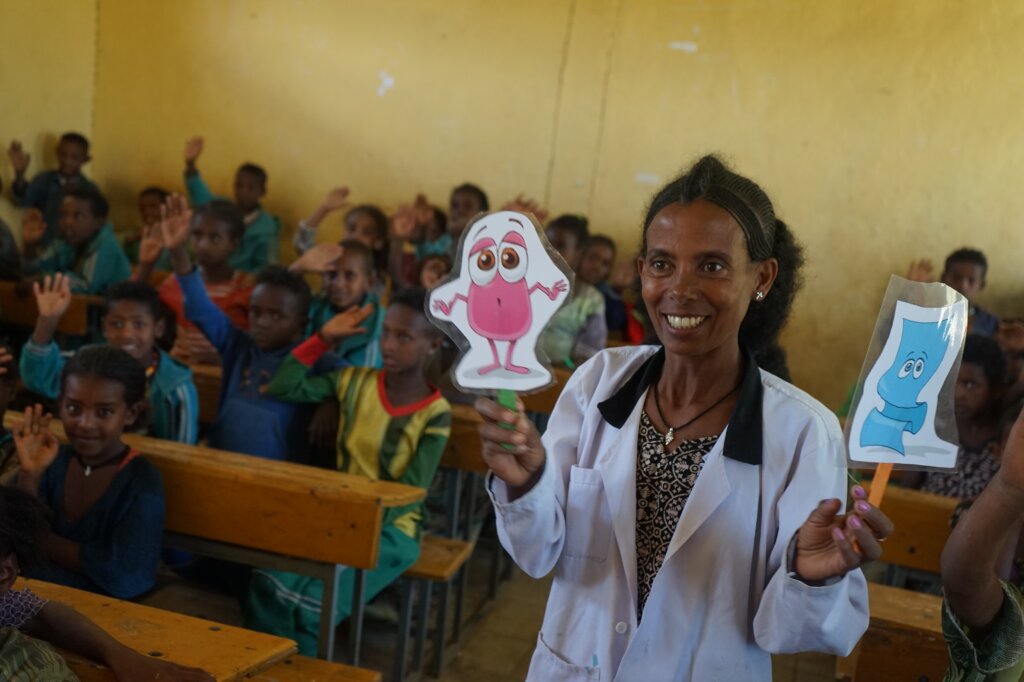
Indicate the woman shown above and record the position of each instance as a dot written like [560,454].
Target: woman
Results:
[676,492]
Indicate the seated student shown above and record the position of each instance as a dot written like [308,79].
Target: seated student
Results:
[983,613]
[248,421]
[578,329]
[8,389]
[979,390]
[465,202]
[419,231]
[132,321]
[150,201]
[216,232]
[87,250]
[596,264]
[46,190]
[23,529]
[107,502]
[261,244]
[966,271]
[393,427]
[347,283]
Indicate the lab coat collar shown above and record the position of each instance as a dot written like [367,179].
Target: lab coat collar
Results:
[743,439]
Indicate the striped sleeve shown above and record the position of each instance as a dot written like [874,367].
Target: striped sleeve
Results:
[186,418]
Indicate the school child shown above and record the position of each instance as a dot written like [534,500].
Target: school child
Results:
[27,622]
[419,231]
[132,321]
[596,262]
[347,283]
[107,502]
[578,330]
[465,202]
[86,250]
[46,189]
[966,270]
[10,256]
[8,389]
[393,427]
[261,244]
[150,201]
[248,420]
[216,232]
[979,389]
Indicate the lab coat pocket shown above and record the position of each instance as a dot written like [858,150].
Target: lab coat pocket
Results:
[548,666]
[588,520]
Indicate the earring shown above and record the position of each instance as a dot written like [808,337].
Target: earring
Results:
[759,296]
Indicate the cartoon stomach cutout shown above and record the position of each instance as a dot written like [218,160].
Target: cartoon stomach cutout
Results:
[510,283]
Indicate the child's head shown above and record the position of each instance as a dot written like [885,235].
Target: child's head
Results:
[466,201]
[981,378]
[72,154]
[408,339]
[433,269]
[568,233]
[150,201]
[366,223]
[9,377]
[437,226]
[133,319]
[348,284]
[103,392]
[597,259]
[250,186]
[217,230]
[83,213]
[278,308]
[965,271]
[23,523]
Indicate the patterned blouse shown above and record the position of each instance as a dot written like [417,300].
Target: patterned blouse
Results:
[663,484]
[976,469]
[18,607]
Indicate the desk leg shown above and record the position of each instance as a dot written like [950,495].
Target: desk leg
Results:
[327,606]
[356,619]
[404,626]
[454,498]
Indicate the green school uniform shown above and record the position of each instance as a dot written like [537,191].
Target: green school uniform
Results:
[261,244]
[92,267]
[1000,657]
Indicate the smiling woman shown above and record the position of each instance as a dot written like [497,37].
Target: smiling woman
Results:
[688,499]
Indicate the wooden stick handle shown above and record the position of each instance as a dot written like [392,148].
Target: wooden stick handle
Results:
[878,484]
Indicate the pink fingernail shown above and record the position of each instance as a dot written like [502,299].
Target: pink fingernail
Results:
[859,492]
[863,507]
[855,523]
[838,534]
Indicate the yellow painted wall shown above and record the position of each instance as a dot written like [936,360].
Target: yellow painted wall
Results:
[883,131]
[47,68]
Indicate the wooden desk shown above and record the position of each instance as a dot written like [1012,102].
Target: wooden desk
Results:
[227,653]
[921,523]
[302,669]
[207,379]
[21,311]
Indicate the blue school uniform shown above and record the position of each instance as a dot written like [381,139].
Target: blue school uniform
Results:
[91,268]
[442,246]
[261,244]
[45,192]
[248,420]
[615,314]
[172,394]
[120,535]
[983,322]
[361,350]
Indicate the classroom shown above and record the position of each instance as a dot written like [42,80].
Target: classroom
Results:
[574,340]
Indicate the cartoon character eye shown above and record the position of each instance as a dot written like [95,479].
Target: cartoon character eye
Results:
[906,369]
[918,368]
[482,266]
[513,262]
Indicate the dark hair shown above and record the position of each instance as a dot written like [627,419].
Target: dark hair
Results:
[11,375]
[107,362]
[98,206]
[577,225]
[278,276]
[166,340]
[441,218]
[444,258]
[254,170]
[380,221]
[155,191]
[986,354]
[966,255]
[137,292]
[415,299]
[24,520]
[767,237]
[481,196]
[76,138]
[226,213]
[361,251]
[600,240]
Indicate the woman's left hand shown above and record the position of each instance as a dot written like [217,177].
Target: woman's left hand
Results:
[829,544]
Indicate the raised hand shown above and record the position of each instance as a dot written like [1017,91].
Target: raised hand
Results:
[515,455]
[33,226]
[193,148]
[321,258]
[921,271]
[336,199]
[524,204]
[175,221]
[151,244]
[36,445]
[345,324]
[19,159]
[53,295]
[422,210]
[830,545]
[403,222]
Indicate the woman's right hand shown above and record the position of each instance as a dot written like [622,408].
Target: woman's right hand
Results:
[515,455]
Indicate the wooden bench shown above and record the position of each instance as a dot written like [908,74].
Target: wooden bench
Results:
[207,379]
[303,669]
[921,528]
[903,642]
[274,515]
[21,311]
[544,401]
[227,653]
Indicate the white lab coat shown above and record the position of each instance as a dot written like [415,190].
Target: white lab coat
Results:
[724,598]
